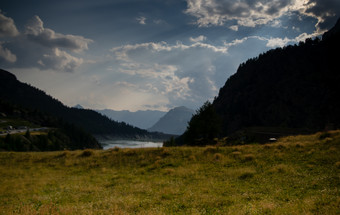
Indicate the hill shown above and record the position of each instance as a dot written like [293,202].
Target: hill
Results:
[295,175]
[294,88]
[141,119]
[23,129]
[30,97]
[173,122]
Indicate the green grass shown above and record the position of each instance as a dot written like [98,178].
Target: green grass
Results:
[296,175]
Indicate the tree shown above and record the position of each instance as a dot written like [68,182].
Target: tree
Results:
[203,127]
[28,134]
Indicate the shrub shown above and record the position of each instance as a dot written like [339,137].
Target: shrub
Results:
[247,174]
[324,135]
[337,164]
[210,149]
[248,157]
[218,156]
[87,153]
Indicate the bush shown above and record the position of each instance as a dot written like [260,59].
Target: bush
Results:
[87,153]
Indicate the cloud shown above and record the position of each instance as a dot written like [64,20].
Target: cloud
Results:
[198,39]
[36,32]
[277,42]
[7,27]
[280,42]
[234,27]
[181,73]
[59,61]
[7,55]
[121,52]
[43,48]
[141,20]
[325,11]
[251,13]
[246,12]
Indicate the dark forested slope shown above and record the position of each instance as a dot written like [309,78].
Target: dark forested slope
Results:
[295,87]
[53,133]
[30,97]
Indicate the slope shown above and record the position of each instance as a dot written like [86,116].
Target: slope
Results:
[141,119]
[27,96]
[31,130]
[295,88]
[173,122]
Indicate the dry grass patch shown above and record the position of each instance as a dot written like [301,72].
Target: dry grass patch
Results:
[210,150]
[179,180]
[236,154]
[281,168]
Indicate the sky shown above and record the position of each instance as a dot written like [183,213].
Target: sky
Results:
[147,54]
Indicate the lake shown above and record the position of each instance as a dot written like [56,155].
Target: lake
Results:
[107,144]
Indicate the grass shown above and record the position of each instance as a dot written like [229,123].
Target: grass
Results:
[296,175]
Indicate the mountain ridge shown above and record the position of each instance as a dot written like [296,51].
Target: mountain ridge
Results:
[295,87]
[16,92]
[174,121]
[143,119]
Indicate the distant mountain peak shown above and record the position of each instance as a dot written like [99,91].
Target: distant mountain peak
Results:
[78,106]
[142,119]
[174,122]
[181,108]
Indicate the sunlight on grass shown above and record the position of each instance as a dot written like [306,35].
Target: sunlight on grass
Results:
[295,175]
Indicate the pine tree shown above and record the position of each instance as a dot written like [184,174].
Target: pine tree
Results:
[203,127]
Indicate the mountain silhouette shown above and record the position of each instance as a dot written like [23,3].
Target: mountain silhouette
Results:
[23,94]
[173,122]
[295,88]
[143,119]
[78,106]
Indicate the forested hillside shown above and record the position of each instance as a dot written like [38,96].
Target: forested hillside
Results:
[295,87]
[53,133]
[25,95]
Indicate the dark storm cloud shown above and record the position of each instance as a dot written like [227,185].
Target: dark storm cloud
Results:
[245,12]
[35,31]
[251,13]
[40,47]
[326,11]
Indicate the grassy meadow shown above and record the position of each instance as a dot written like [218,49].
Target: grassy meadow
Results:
[295,175]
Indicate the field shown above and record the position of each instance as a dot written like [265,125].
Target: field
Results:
[295,175]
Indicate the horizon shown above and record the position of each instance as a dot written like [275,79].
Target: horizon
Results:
[149,55]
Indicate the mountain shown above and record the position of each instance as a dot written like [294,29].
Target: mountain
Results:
[43,132]
[22,94]
[294,88]
[141,119]
[78,106]
[173,122]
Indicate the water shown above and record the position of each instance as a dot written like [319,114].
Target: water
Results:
[107,144]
